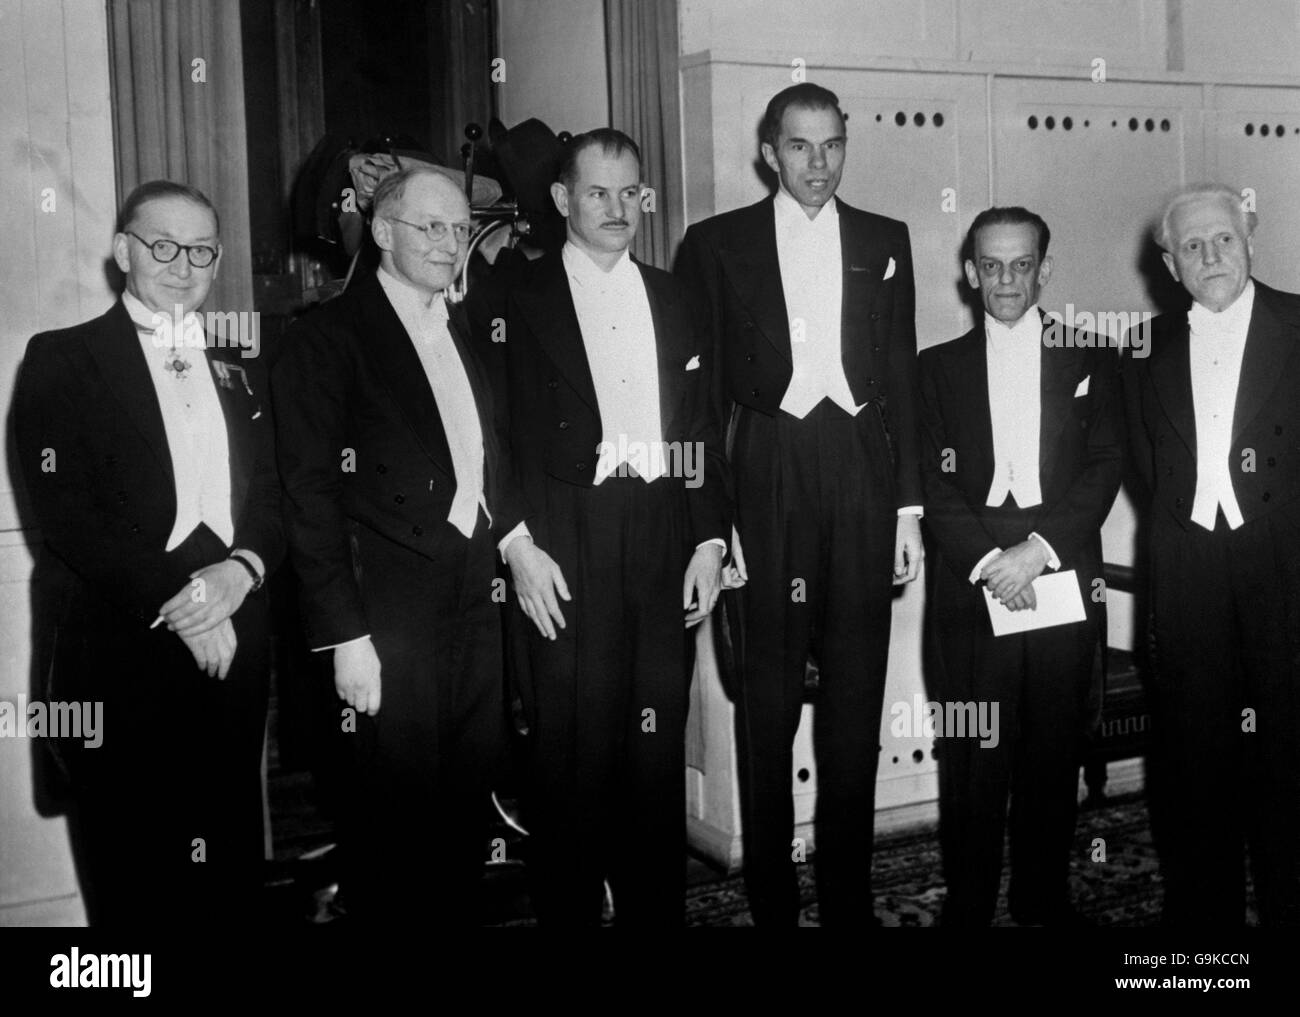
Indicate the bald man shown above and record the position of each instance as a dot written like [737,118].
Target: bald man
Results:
[395,498]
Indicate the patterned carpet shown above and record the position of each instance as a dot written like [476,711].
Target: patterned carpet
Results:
[1121,888]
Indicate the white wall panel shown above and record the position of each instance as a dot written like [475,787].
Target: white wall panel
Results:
[821,31]
[1253,141]
[1126,34]
[36,869]
[1095,161]
[1258,37]
[57,220]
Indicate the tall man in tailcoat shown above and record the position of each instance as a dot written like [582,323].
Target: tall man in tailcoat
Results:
[808,304]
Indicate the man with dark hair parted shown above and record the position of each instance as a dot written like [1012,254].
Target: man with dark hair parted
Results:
[1021,457]
[809,308]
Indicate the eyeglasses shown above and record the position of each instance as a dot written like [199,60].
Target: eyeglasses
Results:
[436,231]
[165,251]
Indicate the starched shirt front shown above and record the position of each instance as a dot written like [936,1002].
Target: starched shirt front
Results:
[812,280]
[1217,346]
[193,421]
[425,321]
[618,334]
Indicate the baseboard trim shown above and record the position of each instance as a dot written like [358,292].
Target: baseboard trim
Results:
[1123,777]
[67,911]
[716,845]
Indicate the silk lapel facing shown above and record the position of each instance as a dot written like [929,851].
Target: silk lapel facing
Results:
[119,357]
[401,370]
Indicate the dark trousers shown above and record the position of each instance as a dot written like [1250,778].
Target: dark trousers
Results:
[606,704]
[817,519]
[422,768]
[1039,682]
[1227,658]
[167,823]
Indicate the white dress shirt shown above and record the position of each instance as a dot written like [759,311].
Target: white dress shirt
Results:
[619,336]
[425,321]
[1014,371]
[1217,343]
[812,279]
[1015,363]
[194,423]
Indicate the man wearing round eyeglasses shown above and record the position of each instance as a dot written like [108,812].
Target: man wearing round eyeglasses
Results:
[149,463]
[398,489]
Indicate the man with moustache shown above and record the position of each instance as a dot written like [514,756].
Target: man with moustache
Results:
[1214,415]
[620,465]
[147,450]
[397,488]
[1022,439]
[809,308]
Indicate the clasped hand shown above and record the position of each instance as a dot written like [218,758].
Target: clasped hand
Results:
[200,614]
[1010,576]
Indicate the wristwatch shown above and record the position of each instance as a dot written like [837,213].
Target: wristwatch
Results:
[252,572]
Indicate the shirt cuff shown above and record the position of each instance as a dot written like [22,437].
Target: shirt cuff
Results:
[519,531]
[979,565]
[714,540]
[912,510]
[335,646]
[1052,560]
[254,559]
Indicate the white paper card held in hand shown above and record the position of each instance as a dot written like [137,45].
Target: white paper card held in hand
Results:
[1059,603]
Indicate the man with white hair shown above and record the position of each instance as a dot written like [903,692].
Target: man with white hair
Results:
[397,491]
[1214,419]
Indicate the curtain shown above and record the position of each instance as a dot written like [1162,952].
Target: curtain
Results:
[178,114]
[641,41]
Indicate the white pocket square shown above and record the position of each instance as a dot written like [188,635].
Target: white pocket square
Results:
[1082,390]
[694,363]
[889,270]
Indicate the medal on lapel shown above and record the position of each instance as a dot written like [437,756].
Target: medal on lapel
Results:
[174,336]
[176,364]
